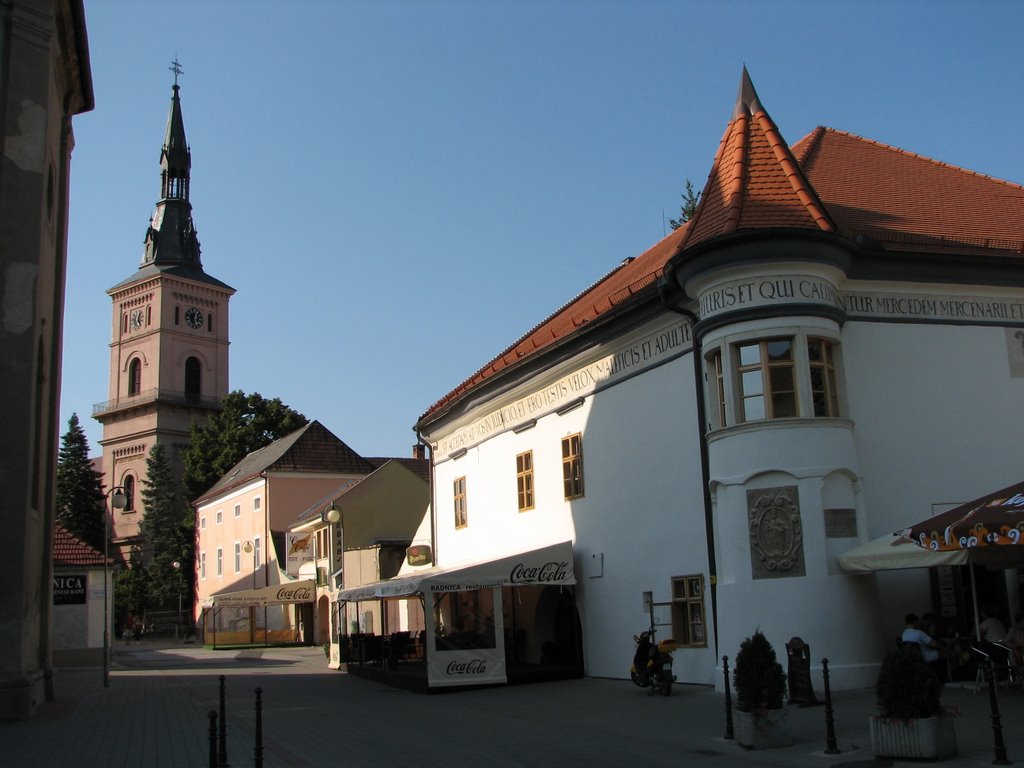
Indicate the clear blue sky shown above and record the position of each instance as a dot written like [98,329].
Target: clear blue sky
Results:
[399,190]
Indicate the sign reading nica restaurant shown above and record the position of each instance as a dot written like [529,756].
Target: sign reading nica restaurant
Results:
[69,590]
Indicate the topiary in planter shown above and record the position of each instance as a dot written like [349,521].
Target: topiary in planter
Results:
[907,688]
[757,677]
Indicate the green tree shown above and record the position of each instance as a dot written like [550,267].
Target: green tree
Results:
[244,424]
[131,590]
[688,208]
[161,529]
[80,499]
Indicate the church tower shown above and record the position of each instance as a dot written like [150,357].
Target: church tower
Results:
[169,347]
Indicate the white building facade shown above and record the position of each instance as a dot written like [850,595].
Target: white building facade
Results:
[830,350]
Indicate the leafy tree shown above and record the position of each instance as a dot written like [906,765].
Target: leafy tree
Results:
[80,498]
[688,208]
[161,529]
[244,424]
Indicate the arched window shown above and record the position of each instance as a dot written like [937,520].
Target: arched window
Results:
[129,493]
[135,377]
[193,378]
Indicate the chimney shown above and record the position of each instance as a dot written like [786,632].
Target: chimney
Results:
[419,451]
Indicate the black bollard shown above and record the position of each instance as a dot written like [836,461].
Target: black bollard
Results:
[222,756]
[728,699]
[831,748]
[257,755]
[213,739]
[997,725]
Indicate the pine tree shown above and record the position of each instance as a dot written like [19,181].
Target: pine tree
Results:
[688,208]
[80,498]
[161,530]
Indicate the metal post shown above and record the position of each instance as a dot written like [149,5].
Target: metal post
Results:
[257,755]
[728,699]
[222,756]
[830,725]
[213,739]
[997,726]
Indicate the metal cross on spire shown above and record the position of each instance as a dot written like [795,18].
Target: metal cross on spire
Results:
[176,69]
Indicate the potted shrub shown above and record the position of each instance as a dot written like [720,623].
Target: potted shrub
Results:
[760,684]
[911,721]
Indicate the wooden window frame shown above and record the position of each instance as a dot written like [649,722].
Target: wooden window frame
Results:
[572,466]
[769,394]
[716,382]
[524,480]
[459,502]
[689,615]
[824,395]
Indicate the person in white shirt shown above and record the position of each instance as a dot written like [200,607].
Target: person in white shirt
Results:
[929,647]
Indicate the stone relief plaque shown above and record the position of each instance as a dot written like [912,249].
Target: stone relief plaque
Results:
[776,535]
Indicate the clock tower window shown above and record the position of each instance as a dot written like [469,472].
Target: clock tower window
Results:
[135,377]
[128,484]
[193,379]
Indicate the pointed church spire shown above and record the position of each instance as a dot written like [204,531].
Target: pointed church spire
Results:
[175,158]
[171,238]
[747,102]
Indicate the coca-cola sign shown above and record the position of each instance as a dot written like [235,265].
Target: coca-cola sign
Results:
[548,573]
[295,594]
[470,667]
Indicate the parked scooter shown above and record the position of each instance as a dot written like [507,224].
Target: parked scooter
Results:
[652,663]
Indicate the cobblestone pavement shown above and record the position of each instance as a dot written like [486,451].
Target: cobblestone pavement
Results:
[155,714]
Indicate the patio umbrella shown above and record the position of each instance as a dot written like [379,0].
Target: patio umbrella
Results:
[989,529]
[994,520]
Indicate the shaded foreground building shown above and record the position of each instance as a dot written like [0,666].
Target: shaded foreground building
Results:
[829,350]
[45,80]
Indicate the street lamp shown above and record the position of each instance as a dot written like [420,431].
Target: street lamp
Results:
[248,548]
[176,565]
[118,500]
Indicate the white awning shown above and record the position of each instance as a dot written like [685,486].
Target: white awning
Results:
[277,594]
[894,552]
[548,566]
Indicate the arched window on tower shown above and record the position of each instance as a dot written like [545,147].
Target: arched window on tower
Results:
[135,377]
[193,379]
[129,493]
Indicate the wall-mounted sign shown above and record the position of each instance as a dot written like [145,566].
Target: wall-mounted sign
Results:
[419,554]
[69,590]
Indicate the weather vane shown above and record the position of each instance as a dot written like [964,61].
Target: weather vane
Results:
[176,69]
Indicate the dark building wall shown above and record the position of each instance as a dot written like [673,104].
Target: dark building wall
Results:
[44,80]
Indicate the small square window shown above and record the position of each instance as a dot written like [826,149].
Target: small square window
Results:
[238,510]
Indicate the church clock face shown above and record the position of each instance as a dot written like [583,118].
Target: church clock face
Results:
[194,317]
[136,319]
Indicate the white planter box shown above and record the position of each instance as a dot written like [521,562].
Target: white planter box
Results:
[763,731]
[928,738]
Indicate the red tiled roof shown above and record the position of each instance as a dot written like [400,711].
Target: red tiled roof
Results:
[829,181]
[68,549]
[755,182]
[907,200]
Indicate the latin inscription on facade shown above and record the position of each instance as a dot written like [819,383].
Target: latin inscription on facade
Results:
[767,291]
[776,535]
[643,353]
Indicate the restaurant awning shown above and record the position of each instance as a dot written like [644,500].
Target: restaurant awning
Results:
[547,566]
[895,552]
[276,594]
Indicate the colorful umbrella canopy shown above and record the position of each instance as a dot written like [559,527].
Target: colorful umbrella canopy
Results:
[994,520]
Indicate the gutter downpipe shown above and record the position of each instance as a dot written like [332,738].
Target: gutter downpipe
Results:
[705,470]
[433,506]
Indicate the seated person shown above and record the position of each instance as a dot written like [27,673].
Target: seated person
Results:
[991,627]
[929,647]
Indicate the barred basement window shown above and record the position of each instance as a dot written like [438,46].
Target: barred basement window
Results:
[460,502]
[524,480]
[688,611]
[572,466]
